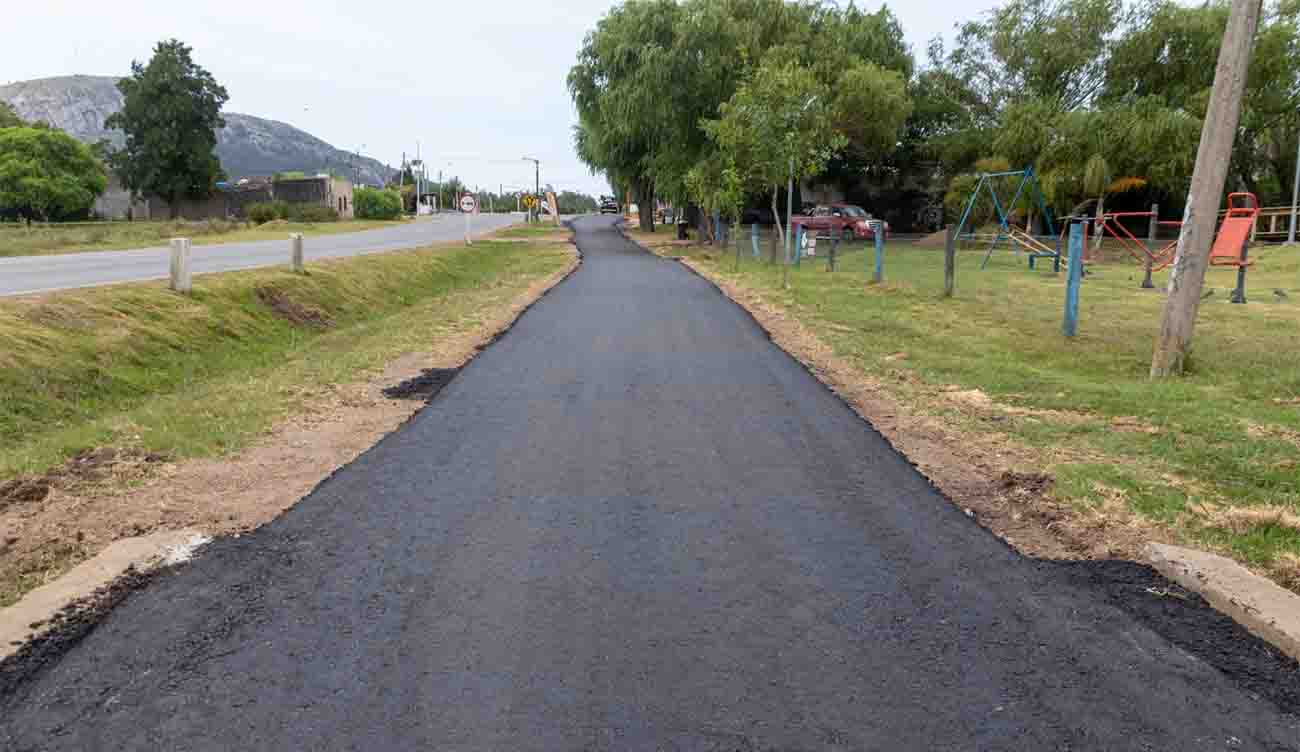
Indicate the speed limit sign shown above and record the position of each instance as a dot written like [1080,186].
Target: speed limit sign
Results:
[468,203]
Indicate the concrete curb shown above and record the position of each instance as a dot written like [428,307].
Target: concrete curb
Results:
[40,605]
[1269,611]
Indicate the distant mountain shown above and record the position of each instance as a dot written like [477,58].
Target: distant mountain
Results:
[247,146]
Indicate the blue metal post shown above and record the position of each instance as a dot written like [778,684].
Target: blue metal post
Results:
[880,252]
[798,244]
[961,224]
[1073,279]
[717,227]
[753,236]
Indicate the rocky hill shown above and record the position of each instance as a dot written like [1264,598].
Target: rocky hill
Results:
[247,146]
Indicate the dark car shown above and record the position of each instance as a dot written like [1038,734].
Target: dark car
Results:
[609,206]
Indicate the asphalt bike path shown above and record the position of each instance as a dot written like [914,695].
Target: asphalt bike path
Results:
[21,275]
[632,523]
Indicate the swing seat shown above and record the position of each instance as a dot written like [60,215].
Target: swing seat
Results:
[1234,232]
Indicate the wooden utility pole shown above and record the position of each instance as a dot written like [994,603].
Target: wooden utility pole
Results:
[1212,157]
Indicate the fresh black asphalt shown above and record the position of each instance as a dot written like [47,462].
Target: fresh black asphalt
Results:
[632,523]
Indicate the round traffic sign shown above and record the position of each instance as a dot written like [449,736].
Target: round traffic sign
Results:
[468,203]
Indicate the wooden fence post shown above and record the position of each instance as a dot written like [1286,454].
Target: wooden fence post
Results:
[295,245]
[180,266]
[950,261]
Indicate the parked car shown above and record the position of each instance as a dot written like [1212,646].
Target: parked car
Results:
[609,206]
[846,220]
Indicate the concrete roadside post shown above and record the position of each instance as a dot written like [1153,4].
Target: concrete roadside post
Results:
[950,261]
[180,265]
[295,244]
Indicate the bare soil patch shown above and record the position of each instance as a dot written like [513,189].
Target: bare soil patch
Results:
[293,311]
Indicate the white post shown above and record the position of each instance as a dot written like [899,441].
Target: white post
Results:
[295,244]
[468,216]
[180,266]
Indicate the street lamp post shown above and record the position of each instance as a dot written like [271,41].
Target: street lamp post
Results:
[537,164]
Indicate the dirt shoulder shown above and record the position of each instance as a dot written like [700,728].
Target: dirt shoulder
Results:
[107,495]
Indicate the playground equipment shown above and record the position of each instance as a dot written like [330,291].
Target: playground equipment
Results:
[1035,245]
[1233,242]
[1140,250]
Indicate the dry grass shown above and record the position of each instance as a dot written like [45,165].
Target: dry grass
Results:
[1243,520]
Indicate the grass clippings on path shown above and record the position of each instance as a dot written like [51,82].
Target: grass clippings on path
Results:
[130,409]
[1064,436]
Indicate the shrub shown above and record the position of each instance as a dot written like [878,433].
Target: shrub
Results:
[267,211]
[370,203]
[312,213]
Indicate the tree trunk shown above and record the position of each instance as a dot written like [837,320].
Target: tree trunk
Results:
[645,203]
[776,215]
[1187,277]
[173,205]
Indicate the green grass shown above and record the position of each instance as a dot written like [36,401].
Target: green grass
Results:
[45,240]
[543,230]
[1226,435]
[139,366]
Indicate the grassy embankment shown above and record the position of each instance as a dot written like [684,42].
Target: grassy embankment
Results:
[48,240]
[137,366]
[1213,458]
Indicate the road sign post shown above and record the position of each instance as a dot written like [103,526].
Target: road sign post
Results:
[468,206]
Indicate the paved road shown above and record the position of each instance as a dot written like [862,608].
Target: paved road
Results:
[31,274]
[630,524]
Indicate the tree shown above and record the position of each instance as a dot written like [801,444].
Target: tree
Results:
[778,127]
[619,89]
[9,118]
[170,114]
[1163,59]
[46,173]
[371,203]
[654,71]
[1173,346]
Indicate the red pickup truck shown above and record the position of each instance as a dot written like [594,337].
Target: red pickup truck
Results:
[846,220]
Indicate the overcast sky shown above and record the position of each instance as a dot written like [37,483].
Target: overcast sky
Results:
[478,84]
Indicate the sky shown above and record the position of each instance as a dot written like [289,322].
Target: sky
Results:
[474,86]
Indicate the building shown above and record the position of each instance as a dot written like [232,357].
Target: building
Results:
[321,190]
[229,200]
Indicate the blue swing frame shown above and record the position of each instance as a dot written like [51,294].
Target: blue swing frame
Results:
[1028,178]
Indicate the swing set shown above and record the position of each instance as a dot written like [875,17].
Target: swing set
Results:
[1037,246]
